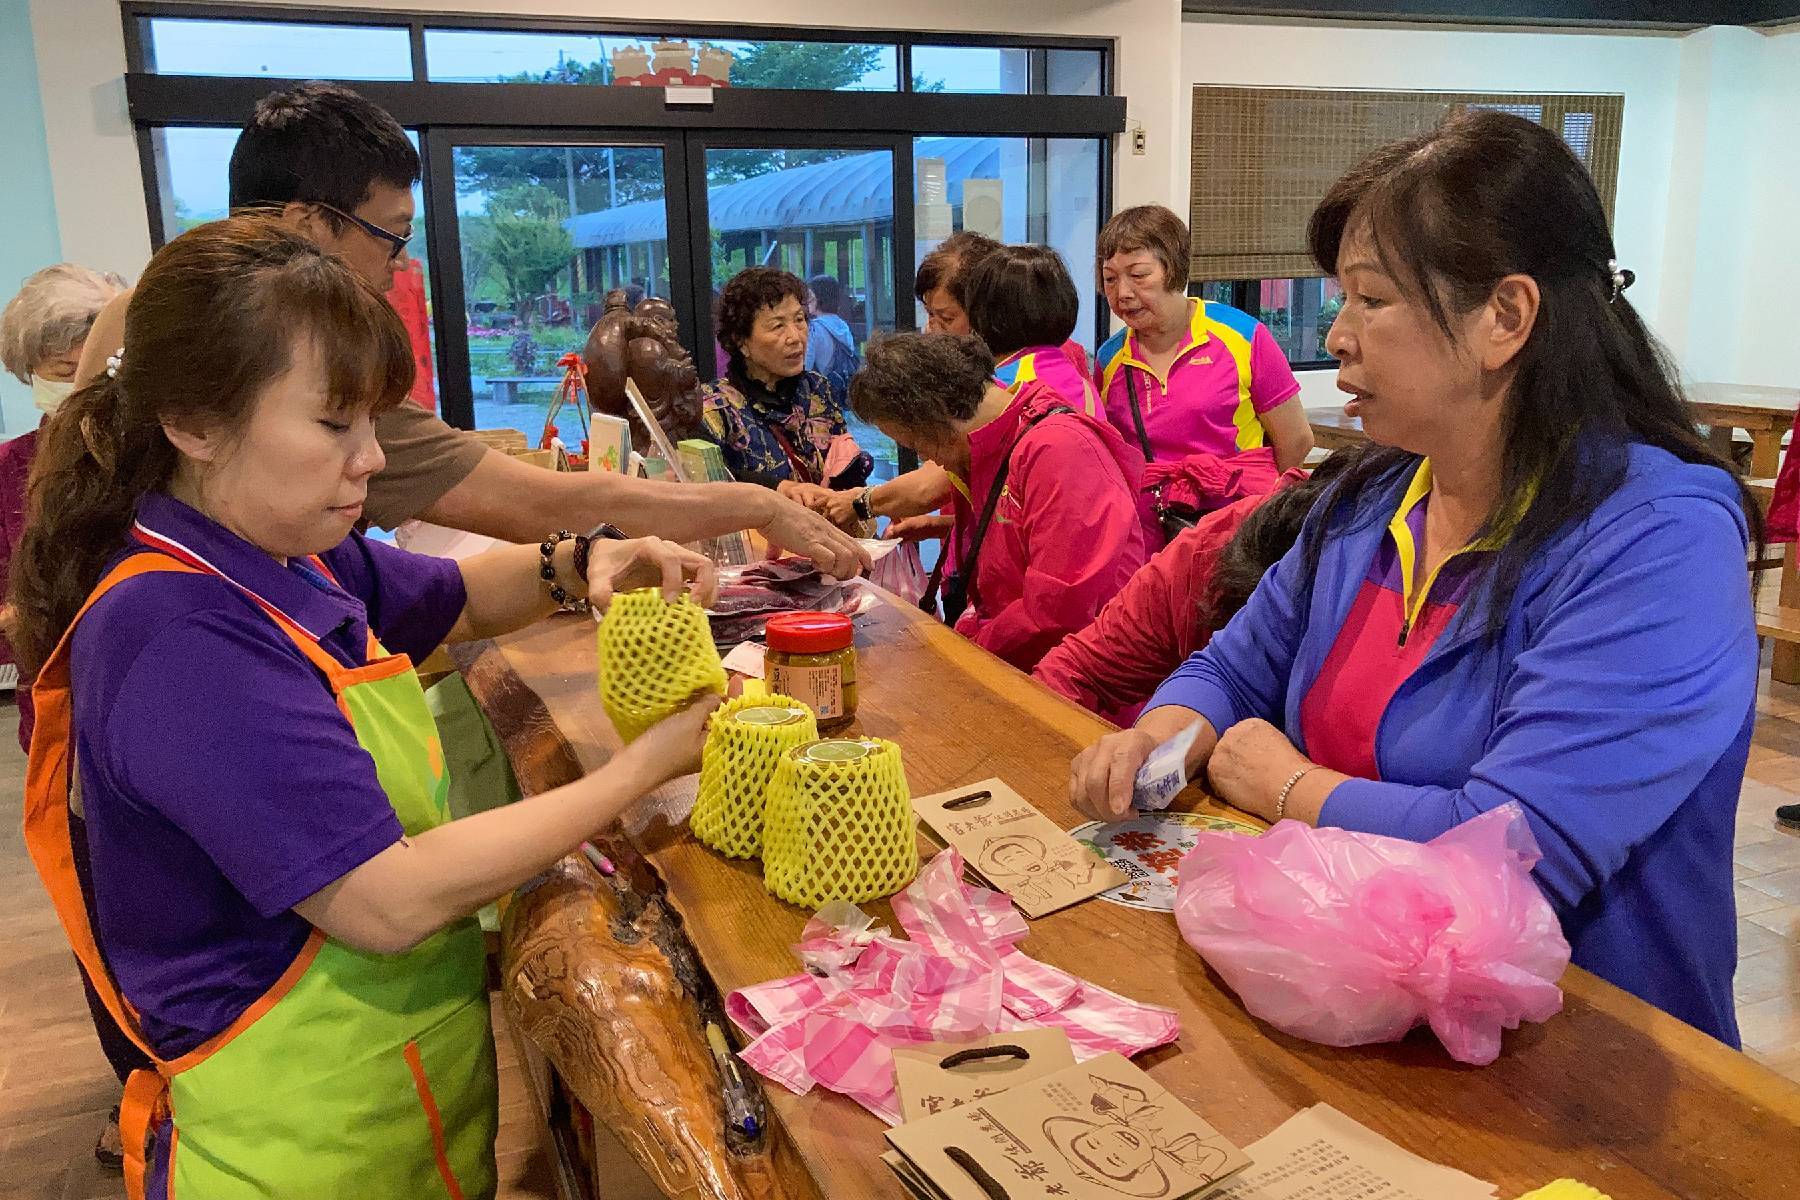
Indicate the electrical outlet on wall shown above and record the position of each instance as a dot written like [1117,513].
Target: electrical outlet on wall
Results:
[1138,140]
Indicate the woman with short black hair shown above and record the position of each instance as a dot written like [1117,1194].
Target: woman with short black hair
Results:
[772,418]
[1022,303]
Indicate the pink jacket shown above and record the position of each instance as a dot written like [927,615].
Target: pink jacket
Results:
[15,468]
[1149,628]
[1067,532]
[1782,524]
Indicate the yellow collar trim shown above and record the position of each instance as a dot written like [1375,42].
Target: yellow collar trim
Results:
[1198,335]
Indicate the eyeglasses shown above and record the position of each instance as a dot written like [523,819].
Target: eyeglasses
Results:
[396,243]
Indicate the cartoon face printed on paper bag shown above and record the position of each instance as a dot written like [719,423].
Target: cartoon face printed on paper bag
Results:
[1017,854]
[1124,1150]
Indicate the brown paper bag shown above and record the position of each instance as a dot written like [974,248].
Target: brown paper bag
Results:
[944,1075]
[1016,848]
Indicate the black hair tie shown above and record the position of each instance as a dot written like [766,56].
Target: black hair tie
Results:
[1620,278]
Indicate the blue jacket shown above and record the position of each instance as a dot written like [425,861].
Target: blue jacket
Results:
[1616,707]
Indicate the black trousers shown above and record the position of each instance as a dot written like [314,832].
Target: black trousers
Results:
[122,1054]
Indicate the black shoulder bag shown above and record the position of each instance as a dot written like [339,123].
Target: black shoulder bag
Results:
[956,590]
[1173,520]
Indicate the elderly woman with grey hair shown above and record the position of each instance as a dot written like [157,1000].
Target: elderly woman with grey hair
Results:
[42,332]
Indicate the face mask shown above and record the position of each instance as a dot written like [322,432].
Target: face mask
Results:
[48,393]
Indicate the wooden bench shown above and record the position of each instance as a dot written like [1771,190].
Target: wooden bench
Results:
[505,388]
[1777,596]
[1765,413]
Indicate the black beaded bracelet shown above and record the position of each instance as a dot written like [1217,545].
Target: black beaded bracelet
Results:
[547,569]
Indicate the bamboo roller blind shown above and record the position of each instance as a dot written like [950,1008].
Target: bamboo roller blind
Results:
[1262,158]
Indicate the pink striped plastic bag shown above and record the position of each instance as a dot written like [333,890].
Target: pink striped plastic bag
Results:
[960,974]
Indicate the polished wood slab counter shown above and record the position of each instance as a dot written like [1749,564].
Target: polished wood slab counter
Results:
[1610,1091]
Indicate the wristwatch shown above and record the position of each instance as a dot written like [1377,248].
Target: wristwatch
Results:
[861,507]
[601,532]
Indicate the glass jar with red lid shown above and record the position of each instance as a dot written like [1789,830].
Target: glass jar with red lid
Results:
[812,659]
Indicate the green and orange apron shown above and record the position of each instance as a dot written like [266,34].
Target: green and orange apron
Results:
[355,1074]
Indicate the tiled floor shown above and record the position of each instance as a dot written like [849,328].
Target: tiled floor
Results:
[55,1087]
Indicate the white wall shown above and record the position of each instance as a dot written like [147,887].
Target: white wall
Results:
[1766,348]
[94,163]
[1644,67]
[26,212]
[1711,245]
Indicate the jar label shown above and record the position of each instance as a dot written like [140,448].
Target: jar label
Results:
[837,751]
[819,688]
[768,715]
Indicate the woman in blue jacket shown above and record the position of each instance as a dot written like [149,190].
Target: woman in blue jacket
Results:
[1535,593]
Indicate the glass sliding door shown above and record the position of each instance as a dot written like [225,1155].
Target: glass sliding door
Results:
[1016,189]
[820,212]
[545,230]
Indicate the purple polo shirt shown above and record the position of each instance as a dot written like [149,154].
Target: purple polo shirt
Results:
[220,782]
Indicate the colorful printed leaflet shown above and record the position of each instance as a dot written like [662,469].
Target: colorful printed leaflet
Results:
[1149,848]
[961,974]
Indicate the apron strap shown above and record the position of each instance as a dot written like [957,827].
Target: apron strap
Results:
[47,834]
[144,1108]
[49,840]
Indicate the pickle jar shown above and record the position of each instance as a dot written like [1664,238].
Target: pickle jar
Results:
[811,658]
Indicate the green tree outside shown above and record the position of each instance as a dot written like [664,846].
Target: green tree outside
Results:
[523,242]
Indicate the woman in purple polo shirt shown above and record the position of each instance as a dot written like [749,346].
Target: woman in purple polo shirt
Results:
[1533,594]
[263,882]
[1187,376]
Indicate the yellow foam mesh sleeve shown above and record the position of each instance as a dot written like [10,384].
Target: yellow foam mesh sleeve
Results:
[654,656]
[1565,1189]
[748,737]
[839,824]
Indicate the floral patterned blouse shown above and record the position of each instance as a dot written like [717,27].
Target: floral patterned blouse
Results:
[741,415]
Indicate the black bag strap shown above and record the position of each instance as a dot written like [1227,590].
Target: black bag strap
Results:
[956,590]
[1137,414]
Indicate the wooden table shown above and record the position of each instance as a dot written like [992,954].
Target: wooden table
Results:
[1765,413]
[1610,1091]
[1332,430]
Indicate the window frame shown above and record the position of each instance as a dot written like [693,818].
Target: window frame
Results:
[137,12]
[773,116]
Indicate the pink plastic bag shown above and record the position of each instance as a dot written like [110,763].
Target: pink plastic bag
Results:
[900,572]
[866,991]
[1346,938]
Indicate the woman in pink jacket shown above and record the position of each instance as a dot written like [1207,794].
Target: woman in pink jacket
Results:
[1050,528]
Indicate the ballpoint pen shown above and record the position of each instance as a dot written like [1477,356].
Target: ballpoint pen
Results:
[741,1109]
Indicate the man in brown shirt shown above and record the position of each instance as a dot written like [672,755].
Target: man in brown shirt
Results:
[340,170]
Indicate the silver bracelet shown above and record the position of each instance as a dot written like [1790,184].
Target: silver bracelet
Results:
[1281,797]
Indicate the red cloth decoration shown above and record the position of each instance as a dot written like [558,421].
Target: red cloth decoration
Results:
[407,294]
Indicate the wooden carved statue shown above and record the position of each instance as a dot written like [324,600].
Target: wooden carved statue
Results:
[642,344]
[599,973]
